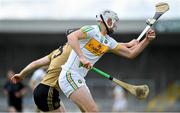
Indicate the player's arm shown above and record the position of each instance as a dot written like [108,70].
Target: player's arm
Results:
[73,41]
[5,91]
[132,52]
[21,92]
[30,67]
[130,44]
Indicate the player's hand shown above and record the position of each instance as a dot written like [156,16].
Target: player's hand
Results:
[150,35]
[16,78]
[85,62]
[18,94]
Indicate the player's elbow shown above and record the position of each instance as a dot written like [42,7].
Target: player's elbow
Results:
[131,55]
[69,38]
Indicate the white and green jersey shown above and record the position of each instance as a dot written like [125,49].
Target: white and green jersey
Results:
[93,47]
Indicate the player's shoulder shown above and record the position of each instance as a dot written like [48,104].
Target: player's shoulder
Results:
[53,53]
[88,28]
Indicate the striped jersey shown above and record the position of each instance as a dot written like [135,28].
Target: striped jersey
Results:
[93,47]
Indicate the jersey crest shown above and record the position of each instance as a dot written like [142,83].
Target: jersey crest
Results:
[96,47]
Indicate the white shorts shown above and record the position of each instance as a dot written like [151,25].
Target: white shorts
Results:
[70,81]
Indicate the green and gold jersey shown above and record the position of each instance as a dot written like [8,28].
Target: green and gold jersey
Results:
[57,58]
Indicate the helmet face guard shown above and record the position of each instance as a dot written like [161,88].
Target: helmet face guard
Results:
[108,31]
[107,15]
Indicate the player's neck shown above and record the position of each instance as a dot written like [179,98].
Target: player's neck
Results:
[103,29]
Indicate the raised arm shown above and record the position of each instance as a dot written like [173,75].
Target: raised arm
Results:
[73,41]
[136,49]
[130,44]
[29,68]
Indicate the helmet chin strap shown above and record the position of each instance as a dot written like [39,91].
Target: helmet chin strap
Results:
[107,29]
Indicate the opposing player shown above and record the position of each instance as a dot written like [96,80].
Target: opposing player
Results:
[46,94]
[89,44]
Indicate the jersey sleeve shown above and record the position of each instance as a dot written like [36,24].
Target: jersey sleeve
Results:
[113,43]
[88,31]
[50,55]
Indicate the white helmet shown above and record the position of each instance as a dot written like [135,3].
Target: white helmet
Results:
[107,15]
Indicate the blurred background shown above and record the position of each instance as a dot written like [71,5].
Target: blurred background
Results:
[31,29]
